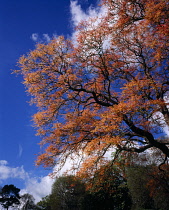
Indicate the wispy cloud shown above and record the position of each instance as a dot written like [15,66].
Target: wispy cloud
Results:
[46,37]
[35,37]
[42,38]
[20,151]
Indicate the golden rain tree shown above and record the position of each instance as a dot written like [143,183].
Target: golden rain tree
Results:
[108,90]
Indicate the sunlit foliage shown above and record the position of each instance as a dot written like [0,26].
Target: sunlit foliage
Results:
[107,91]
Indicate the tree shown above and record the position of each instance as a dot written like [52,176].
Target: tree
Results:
[28,202]
[9,196]
[137,179]
[107,190]
[148,186]
[44,204]
[107,91]
[67,193]
[158,186]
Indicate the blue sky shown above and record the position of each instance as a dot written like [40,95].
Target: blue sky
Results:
[22,24]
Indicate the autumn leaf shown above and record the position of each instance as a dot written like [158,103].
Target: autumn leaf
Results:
[101,94]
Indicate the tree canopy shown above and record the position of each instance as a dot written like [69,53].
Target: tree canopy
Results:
[45,203]
[67,193]
[27,202]
[70,192]
[108,90]
[9,196]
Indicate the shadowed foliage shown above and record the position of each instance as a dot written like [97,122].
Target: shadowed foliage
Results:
[9,196]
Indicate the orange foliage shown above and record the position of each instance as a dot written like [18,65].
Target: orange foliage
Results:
[103,93]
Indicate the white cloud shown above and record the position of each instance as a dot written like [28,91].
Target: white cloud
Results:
[38,187]
[166,130]
[78,15]
[46,37]
[166,99]
[3,162]
[11,172]
[34,37]
[71,164]
[158,118]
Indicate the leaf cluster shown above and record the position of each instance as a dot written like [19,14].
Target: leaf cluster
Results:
[107,92]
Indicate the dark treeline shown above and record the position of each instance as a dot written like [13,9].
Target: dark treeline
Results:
[135,186]
[130,186]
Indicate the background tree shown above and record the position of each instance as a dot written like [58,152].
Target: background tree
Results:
[158,186]
[107,190]
[9,196]
[44,204]
[28,202]
[148,184]
[67,193]
[109,90]
[137,179]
